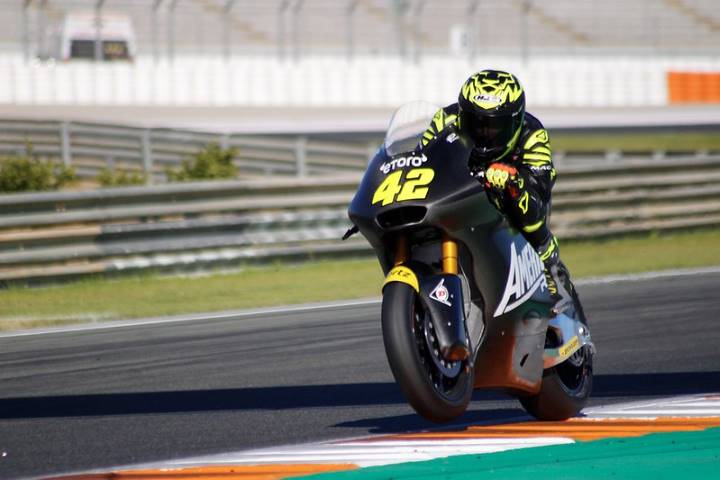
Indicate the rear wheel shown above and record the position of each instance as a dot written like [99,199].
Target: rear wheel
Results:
[565,388]
[437,389]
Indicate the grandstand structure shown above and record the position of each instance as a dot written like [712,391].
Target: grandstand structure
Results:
[356,54]
[404,27]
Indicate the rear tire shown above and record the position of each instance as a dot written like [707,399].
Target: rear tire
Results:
[565,389]
[437,391]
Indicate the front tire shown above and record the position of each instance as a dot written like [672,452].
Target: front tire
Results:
[438,390]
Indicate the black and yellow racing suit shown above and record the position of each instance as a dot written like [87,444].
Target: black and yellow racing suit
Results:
[532,157]
[529,212]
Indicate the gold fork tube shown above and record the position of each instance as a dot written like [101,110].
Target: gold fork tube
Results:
[401,250]
[449,255]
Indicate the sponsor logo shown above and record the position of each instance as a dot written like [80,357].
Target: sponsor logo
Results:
[402,162]
[451,138]
[542,168]
[441,294]
[404,275]
[570,347]
[486,98]
[526,275]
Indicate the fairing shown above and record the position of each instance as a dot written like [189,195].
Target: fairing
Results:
[492,255]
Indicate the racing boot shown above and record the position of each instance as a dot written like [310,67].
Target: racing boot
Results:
[568,288]
[559,284]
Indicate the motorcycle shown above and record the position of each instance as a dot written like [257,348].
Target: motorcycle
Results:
[465,302]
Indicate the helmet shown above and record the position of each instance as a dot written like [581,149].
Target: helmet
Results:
[492,109]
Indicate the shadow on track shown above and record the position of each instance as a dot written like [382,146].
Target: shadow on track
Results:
[651,384]
[316,396]
[252,398]
[605,386]
[412,422]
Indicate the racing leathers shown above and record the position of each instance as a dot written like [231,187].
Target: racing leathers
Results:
[519,183]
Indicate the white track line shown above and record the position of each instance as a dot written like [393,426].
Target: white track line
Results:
[706,402]
[636,277]
[319,306]
[194,317]
[378,450]
[702,405]
[656,413]
[368,453]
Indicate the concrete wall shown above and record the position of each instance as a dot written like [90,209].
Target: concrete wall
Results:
[331,81]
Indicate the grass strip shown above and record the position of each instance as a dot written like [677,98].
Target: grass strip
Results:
[670,141]
[100,299]
[675,140]
[658,456]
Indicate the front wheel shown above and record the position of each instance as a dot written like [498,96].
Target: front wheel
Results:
[437,389]
[565,388]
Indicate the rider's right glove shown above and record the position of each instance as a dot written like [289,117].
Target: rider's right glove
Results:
[501,178]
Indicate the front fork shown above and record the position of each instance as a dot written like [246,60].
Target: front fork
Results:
[442,295]
[449,253]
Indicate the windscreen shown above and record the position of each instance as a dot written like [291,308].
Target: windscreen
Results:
[407,126]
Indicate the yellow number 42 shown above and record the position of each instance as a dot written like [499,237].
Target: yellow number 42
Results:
[414,187]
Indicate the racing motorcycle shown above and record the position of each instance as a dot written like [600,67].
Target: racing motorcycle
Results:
[465,301]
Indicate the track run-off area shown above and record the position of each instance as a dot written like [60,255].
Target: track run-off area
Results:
[286,392]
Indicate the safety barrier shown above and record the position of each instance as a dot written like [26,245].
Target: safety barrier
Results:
[207,225]
[90,147]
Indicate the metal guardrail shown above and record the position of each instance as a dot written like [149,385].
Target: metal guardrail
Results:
[209,224]
[90,147]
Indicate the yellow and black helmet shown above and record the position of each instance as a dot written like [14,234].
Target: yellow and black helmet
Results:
[492,109]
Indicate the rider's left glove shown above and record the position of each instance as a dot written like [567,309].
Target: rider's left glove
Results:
[477,166]
[501,178]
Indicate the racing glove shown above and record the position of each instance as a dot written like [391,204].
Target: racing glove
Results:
[501,178]
[477,165]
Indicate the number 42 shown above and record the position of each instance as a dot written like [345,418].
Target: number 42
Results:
[414,187]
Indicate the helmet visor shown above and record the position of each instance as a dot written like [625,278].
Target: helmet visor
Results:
[489,132]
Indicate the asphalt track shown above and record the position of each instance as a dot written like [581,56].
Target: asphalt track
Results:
[85,400]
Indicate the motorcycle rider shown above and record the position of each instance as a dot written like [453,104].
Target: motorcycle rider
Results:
[512,158]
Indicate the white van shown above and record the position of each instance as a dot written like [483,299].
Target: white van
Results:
[79,31]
